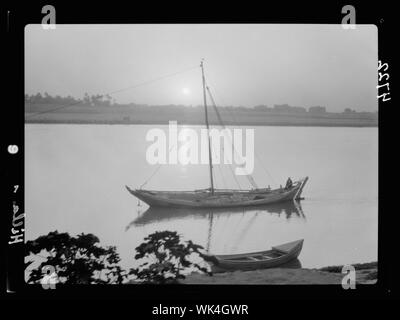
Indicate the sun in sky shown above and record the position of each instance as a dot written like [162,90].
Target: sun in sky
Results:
[186,91]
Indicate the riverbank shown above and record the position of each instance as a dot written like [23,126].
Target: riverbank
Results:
[366,273]
[42,113]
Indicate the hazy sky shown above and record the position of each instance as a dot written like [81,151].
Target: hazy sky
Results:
[245,64]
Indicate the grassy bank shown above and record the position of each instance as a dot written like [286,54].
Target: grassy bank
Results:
[365,274]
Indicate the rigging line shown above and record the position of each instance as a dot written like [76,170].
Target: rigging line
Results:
[223,179]
[230,165]
[222,176]
[156,170]
[152,175]
[265,170]
[221,123]
[248,176]
[231,170]
[232,114]
[212,165]
[153,80]
[113,92]
[220,119]
[234,177]
[255,152]
[220,167]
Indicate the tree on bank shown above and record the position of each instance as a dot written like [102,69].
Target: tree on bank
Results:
[76,260]
[81,260]
[165,256]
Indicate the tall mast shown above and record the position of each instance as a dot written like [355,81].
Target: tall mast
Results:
[208,129]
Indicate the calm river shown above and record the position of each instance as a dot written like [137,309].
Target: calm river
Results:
[75,177]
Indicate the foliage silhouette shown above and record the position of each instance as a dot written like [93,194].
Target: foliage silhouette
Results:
[166,256]
[77,260]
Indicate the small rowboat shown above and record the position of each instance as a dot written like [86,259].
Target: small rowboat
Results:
[275,257]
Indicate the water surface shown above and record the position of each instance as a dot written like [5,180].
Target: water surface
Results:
[75,177]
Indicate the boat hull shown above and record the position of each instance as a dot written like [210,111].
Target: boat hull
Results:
[234,262]
[220,198]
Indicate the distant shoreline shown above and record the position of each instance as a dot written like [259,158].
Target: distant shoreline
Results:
[158,115]
[256,124]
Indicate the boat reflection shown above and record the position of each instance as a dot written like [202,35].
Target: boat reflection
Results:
[290,209]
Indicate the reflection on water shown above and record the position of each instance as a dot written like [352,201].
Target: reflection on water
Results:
[289,209]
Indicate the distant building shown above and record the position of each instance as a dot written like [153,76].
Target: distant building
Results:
[348,110]
[288,109]
[317,109]
[298,109]
[261,107]
[282,107]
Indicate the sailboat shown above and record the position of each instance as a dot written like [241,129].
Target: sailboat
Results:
[218,198]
